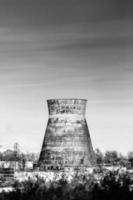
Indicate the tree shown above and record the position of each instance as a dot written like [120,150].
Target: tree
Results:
[130,157]
[122,160]
[16,151]
[1,156]
[111,157]
[99,156]
[12,155]
[32,156]
[8,155]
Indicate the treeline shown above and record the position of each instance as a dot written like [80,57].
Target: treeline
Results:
[109,157]
[10,155]
[114,158]
[16,154]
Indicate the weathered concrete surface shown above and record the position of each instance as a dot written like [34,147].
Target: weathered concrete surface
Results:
[67,141]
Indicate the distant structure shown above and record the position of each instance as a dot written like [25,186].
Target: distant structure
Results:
[67,141]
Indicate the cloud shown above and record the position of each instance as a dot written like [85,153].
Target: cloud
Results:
[38,13]
[65,48]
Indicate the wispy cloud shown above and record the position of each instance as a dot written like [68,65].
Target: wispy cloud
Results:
[59,48]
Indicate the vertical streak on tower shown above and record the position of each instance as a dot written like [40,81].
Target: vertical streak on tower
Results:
[67,141]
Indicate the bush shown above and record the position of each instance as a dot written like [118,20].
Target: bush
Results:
[84,187]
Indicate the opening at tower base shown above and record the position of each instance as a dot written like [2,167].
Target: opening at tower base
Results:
[67,141]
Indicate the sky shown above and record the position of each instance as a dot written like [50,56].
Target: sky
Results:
[66,49]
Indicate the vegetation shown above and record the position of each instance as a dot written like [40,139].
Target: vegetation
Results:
[109,157]
[101,185]
[114,158]
[17,155]
[112,186]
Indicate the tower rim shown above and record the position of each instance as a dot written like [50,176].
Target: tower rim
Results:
[67,99]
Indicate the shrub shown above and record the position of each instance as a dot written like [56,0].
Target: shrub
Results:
[84,187]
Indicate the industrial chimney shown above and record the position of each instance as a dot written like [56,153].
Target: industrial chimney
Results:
[67,141]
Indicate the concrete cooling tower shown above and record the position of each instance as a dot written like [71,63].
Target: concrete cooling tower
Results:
[67,141]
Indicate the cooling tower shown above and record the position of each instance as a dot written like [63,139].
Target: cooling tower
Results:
[67,141]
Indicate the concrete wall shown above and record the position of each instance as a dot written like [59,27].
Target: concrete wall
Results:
[67,106]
